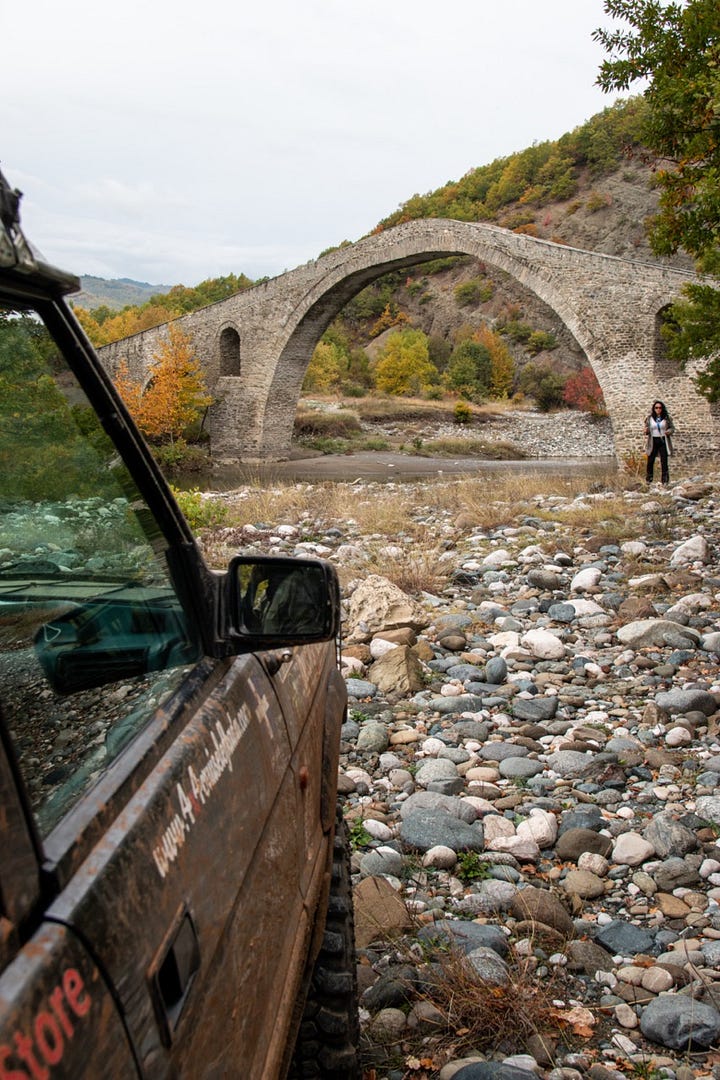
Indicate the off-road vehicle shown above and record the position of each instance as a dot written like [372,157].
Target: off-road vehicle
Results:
[174,887]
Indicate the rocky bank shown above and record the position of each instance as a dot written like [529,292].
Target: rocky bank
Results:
[530,778]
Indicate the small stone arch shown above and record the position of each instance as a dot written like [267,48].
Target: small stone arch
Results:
[229,347]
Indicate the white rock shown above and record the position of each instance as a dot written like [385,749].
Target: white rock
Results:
[693,550]
[501,557]
[540,827]
[543,644]
[380,647]
[506,639]
[432,747]
[585,579]
[441,857]
[596,864]
[633,547]
[377,829]
[351,663]
[495,826]
[586,607]
[525,850]
[678,736]
[631,849]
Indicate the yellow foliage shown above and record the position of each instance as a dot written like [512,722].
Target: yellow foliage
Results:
[502,365]
[391,316]
[326,367]
[404,365]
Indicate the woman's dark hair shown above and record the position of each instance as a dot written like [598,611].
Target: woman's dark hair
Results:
[663,413]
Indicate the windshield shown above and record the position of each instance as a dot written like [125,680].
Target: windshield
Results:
[92,635]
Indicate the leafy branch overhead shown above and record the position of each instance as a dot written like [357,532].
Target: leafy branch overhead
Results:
[675,49]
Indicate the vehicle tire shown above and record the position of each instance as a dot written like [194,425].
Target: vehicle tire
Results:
[327,1042]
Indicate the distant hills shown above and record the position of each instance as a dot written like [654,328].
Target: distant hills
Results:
[116,293]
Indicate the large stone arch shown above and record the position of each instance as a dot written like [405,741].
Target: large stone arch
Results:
[610,306]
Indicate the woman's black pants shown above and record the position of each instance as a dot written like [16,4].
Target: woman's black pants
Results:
[660,448]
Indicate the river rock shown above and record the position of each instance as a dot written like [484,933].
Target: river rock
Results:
[680,1023]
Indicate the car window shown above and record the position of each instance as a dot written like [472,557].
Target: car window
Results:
[92,636]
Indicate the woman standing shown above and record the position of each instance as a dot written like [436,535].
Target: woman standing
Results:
[658,429]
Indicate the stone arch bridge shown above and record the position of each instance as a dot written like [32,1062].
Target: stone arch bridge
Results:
[256,345]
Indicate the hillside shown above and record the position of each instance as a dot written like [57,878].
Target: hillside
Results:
[591,189]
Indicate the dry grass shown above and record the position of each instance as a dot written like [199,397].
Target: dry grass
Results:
[481,1016]
[386,509]
[337,423]
[399,514]
[419,570]
[473,1015]
[496,451]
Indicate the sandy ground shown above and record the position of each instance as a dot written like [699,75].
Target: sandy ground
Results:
[386,465]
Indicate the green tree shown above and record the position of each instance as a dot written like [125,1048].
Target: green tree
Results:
[403,366]
[37,415]
[469,369]
[676,46]
[542,384]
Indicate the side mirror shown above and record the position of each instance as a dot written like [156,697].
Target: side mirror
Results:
[276,601]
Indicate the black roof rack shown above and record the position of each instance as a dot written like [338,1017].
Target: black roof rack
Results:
[19,260]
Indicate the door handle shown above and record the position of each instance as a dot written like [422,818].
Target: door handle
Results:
[173,972]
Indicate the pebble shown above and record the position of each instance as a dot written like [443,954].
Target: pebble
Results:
[555,778]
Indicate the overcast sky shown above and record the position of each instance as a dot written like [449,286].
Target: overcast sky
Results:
[172,142]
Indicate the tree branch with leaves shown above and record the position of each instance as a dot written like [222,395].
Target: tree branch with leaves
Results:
[675,47]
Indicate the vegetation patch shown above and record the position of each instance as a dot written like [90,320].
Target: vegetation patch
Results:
[499,451]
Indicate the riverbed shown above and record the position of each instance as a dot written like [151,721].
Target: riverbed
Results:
[389,465]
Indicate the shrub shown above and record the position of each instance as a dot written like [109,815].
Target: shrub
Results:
[181,457]
[335,424]
[352,390]
[542,384]
[540,341]
[475,291]
[530,229]
[462,413]
[597,201]
[582,391]
[470,369]
[200,513]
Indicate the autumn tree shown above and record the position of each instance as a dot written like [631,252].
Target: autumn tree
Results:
[327,365]
[502,365]
[175,394]
[129,389]
[403,366]
[675,48]
[582,391]
[391,316]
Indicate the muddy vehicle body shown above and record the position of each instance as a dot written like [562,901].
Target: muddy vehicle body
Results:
[174,885]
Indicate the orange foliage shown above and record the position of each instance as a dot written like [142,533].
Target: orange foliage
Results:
[582,391]
[175,393]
